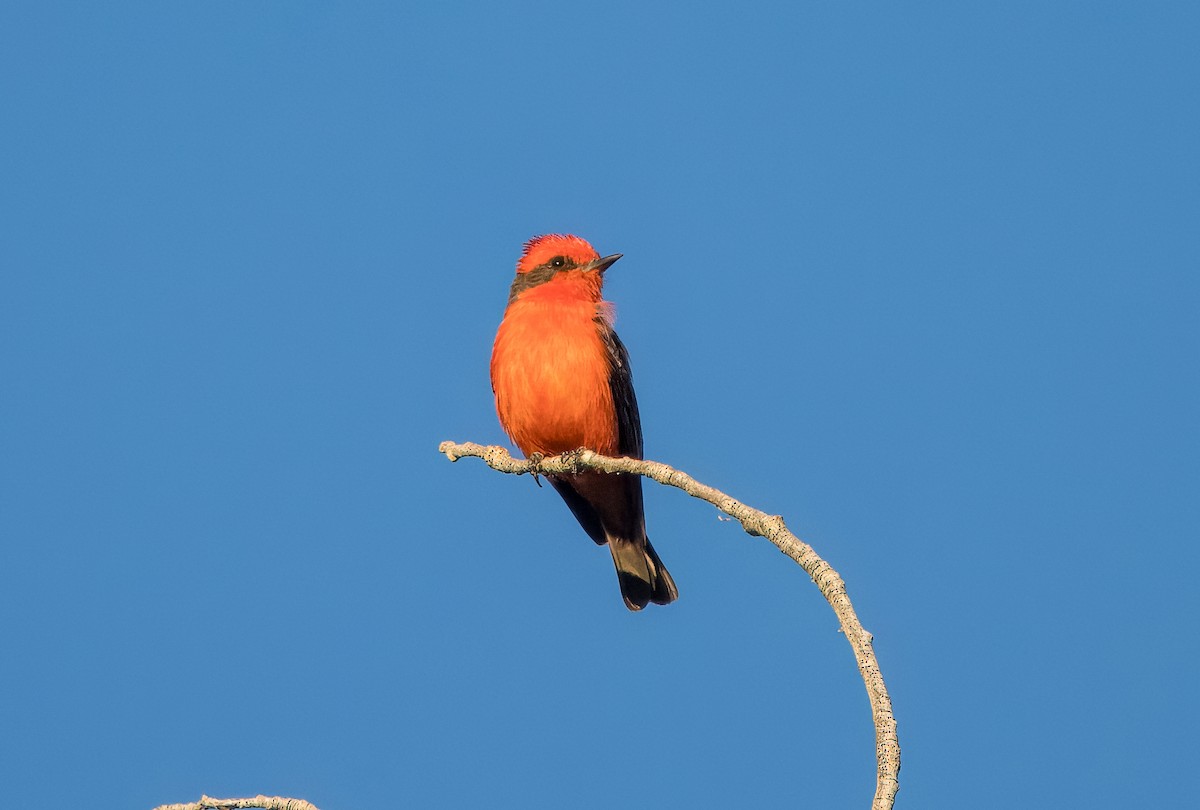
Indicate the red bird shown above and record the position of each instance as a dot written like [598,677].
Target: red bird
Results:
[561,379]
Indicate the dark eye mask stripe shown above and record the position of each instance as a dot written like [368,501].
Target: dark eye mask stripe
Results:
[539,275]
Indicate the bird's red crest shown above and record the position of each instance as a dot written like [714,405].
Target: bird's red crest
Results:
[541,249]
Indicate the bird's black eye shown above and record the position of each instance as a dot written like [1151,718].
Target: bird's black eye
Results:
[558,261]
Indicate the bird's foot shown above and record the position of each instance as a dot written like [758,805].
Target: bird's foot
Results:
[535,462]
[574,457]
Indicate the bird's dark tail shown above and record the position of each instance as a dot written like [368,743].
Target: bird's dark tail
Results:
[642,575]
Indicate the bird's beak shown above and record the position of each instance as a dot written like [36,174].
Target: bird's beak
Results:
[600,265]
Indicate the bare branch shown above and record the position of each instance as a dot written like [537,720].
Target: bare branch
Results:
[759,524]
[264,802]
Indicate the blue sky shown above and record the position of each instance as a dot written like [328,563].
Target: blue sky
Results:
[923,280]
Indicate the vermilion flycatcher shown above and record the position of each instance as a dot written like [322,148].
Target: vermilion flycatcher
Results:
[561,379]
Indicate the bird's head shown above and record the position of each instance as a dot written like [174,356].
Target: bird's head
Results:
[557,255]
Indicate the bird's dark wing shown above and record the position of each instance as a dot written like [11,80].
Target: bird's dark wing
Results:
[620,382]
